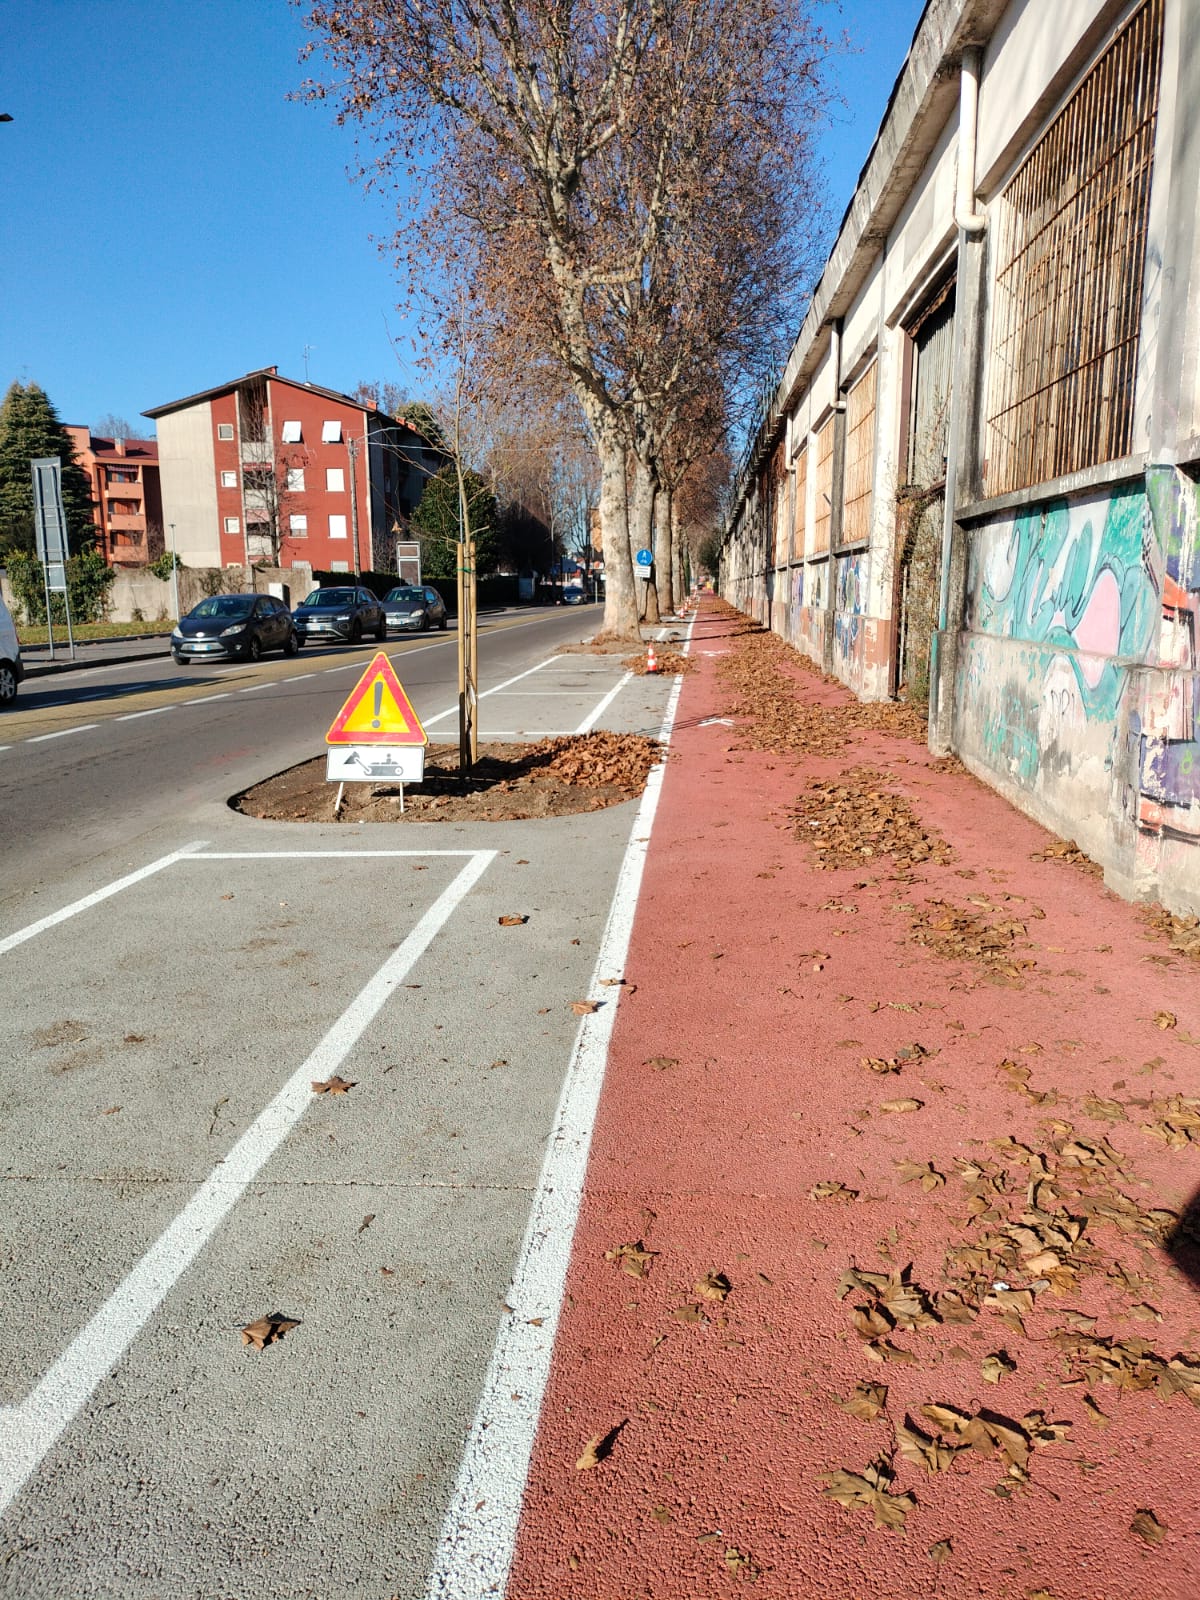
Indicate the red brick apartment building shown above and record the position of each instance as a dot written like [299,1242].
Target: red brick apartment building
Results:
[265,468]
[123,474]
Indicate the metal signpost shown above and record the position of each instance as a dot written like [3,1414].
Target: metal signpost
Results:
[50,526]
[644,560]
[376,736]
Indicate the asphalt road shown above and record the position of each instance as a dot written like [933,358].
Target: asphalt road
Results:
[176,977]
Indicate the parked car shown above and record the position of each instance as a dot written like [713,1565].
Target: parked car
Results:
[11,670]
[233,626]
[414,609]
[340,614]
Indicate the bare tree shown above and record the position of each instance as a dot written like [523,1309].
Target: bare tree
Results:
[273,492]
[581,155]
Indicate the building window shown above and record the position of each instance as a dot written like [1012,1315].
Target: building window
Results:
[291,433]
[860,458]
[778,479]
[335,480]
[224,430]
[339,566]
[229,480]
[233,525]
[1070,255]
[800,506]
[337,527]
[932,338]
[331,433]
[298,526]
[823,510]
[295,480]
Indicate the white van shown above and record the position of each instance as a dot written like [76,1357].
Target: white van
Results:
[11,670]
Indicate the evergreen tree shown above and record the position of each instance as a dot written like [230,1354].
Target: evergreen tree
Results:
[435,523]
[29,427]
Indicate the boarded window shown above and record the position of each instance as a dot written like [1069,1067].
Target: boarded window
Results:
[860,458]
[1070,255]
[778,509]
[800,506]
[929,398]
[823,507]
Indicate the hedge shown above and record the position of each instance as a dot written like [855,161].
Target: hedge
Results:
[495,590]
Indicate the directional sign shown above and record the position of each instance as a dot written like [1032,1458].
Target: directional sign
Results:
[378,711]
[644,558]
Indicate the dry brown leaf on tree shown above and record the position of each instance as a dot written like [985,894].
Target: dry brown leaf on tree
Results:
[515,920]
[268,1330]
[334,1085]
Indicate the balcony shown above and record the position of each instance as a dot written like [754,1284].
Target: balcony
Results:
[127,522]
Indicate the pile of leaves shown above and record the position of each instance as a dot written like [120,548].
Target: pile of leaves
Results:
[1068,851]
[598,760]
[668,663]
[854,818]
[1181,933]
[761,671]
[987,935]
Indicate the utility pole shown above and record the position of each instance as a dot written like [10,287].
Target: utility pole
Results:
[352,452]
[174,571]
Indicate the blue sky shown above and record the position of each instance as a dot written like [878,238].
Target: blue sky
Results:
[172,220]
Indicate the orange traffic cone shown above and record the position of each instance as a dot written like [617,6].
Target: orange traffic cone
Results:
[651,658]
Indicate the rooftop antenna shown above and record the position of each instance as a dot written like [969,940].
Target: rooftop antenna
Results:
[307,348]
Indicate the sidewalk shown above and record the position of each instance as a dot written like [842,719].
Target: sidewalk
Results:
[908,1131]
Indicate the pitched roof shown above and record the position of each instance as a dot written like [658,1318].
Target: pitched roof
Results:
[274,375]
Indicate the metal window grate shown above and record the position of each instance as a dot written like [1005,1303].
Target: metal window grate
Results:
[823,510]
[860,458]
[1070,258]
[800,506]
[778,478]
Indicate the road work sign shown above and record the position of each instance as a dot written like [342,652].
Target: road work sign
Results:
[378,711]
[372,763]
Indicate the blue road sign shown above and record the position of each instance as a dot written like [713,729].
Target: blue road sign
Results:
[645,558]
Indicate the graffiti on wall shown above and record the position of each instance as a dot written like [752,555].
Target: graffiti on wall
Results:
[850,607]
[1165,725]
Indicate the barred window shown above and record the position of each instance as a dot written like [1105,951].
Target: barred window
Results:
[800,506]
[778,508]
[823,509]
[860,458]
[1070,254]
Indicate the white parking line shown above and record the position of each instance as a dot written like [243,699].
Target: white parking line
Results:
[29,1430]
[40,738]
[94,899]
[589,723]
[428,722]
[475,1550]
[155,711]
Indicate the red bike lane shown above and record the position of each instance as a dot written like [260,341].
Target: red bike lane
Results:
[871,1293]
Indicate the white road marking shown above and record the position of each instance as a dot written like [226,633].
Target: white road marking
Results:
[132,716]
[253,688]
[475,1550]
[94,899]
[207,699]
[589,723]
[29,1430]
[428,722]
[298,677]
[293,855]
[62,733]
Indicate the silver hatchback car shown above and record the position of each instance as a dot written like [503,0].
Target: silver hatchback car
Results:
[413,608]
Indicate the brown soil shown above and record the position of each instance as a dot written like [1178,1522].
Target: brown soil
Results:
[510,783]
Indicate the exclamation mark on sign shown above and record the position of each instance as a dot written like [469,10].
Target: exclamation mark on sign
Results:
[378,703]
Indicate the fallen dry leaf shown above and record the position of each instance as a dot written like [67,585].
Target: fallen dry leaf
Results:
[661,1063]
[996,1366]
[828,1190]
[268,1330]
[584,1008]
[870,1490]
[740,1564]
[513,921]
[1165,1019]
[334,1085]
[867,1402]
[688,1314]
[634,1259]
[598,1449]
[712,1286]
[1147,1526]
[901,1105]
[941,1551]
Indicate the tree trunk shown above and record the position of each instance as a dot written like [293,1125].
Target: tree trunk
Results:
[620,598]
[664,555]
[641,532]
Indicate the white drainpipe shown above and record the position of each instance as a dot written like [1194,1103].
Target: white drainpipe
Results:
[965,215]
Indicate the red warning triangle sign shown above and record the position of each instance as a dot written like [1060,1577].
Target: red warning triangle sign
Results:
[378,711]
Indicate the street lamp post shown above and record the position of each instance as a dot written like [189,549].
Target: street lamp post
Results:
[174,570]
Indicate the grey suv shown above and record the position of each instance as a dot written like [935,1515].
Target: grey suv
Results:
[339,615]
